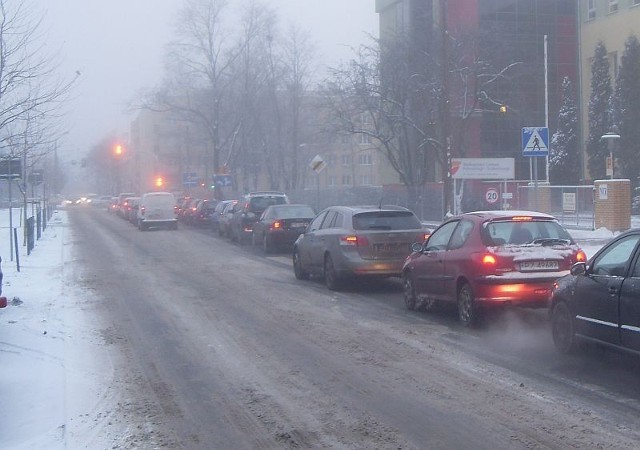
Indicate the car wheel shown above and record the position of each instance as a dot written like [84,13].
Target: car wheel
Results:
[298,271]
[141,226]
[562,328]
[331,277]
[220,231]
[467,311]
[267,246]
[410,300]
[254,241]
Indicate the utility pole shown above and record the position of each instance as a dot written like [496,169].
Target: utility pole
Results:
[445,112]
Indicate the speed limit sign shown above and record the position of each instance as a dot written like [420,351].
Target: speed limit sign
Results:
[491,196]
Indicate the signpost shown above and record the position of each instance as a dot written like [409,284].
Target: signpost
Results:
[535,143]
[222,180]
[317,164]
[190,179]
[481,169]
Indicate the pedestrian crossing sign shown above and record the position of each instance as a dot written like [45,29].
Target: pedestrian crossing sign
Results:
[535,141]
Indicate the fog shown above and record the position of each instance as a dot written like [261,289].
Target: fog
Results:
[117,47]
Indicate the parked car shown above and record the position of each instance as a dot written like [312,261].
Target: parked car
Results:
[121,207]
[488,259]
[126,206]
[280,225]
[202,214]
[348,241]
[133,203]
[216,215]
[189,210]
[225,217]
[599,301]
[248,210]
[157,209]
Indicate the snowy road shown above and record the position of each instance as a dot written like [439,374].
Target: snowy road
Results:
[211,345]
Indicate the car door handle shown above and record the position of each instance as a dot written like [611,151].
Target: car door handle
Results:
[613,290]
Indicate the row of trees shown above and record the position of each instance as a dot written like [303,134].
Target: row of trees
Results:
[609,109]
[32,92]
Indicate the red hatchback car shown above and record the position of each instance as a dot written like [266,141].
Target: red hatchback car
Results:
[486,259]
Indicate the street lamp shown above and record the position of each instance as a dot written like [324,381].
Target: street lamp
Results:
[611,138]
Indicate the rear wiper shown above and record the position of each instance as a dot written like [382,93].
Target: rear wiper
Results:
[550,241]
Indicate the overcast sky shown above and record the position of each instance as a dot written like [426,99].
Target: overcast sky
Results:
[117,46]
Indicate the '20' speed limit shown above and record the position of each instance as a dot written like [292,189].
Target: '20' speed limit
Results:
[491,196]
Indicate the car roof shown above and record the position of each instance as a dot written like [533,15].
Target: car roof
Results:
[506,214]
[370,208]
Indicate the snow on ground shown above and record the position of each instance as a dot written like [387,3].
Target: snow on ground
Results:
[53,370]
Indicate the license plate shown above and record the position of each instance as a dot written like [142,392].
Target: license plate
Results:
[387,247]
[298,225]
[532,266]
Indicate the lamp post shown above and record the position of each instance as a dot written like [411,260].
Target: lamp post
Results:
[611,138]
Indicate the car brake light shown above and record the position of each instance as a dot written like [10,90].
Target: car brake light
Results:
[354,240]
[581,256]
[488,260]
[426,236]
[277,225]
[522,218]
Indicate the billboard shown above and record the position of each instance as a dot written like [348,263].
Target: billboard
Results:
[483,168]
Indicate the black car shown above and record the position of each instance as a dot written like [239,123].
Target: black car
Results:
[203,212]
[600,300]
[248,210]
[280,225]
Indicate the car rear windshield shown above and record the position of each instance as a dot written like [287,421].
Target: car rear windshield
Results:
[294,212]
[259,204]
[159,201]
[386,220]
[514,232]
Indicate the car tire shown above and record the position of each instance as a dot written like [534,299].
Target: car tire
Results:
[141,226]
[267,246]
[253,239]
[467,310]
[410,301]
[331,278]
[562,329]
[298,270]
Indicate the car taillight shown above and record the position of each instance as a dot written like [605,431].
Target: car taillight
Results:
[142,210]
[354,240]
[277,225]
[488,260]
[581,256]
[426,236]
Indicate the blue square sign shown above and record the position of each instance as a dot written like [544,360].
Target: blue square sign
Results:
[535,141]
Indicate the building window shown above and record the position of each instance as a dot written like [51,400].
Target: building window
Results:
[591,11]
[346,180]
[346,160]
[365,159]
[613,6]
[331,180]
[365,138]
[365,180]
[345,138]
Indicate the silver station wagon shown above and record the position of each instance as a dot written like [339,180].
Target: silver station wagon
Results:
[352,241]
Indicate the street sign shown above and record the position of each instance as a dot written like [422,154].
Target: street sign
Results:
[535,141]
[10,168]
[491,196]
[483,168]
[609,166]
[190,179]
[317,164]
[222,180]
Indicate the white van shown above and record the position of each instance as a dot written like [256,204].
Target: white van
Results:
[157,209]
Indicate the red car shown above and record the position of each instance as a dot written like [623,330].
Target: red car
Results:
[485,259]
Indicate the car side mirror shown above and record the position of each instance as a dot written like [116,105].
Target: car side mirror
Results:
[417,247]
[579,268]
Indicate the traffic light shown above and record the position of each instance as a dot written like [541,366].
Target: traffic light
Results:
[159,181]
[503,109]
[118,150]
